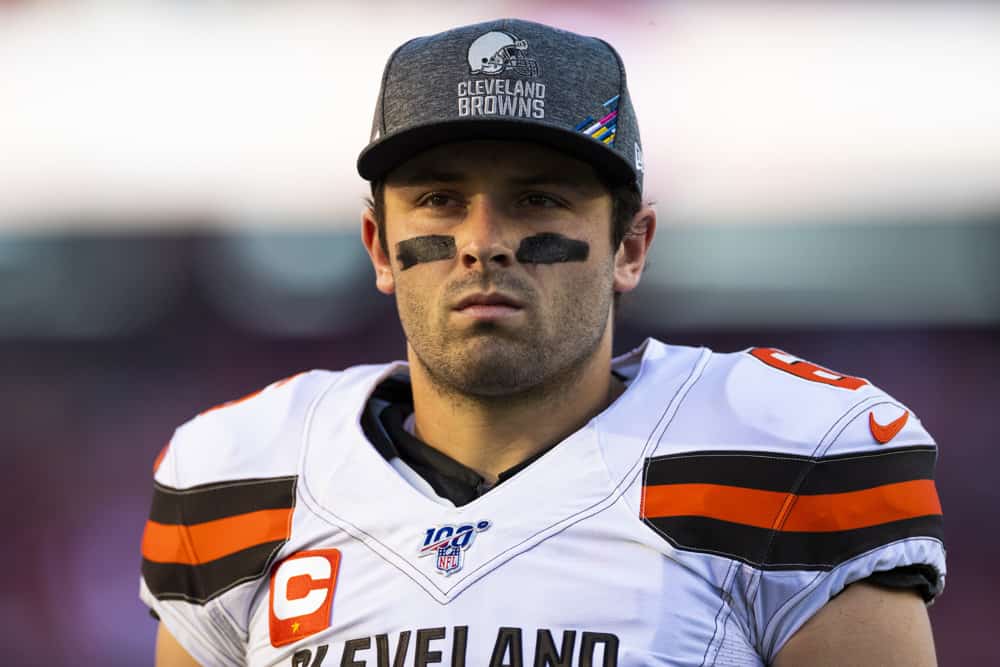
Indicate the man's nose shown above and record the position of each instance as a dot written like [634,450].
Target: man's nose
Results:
[484,242]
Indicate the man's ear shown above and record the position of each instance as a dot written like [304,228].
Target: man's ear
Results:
[385,282]
[631,256]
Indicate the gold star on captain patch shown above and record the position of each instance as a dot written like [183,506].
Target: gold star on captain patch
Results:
[295,627]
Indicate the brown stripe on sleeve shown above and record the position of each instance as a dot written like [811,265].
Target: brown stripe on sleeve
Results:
[752,470]
[207,502]
[787,550]
[730,503]
[852,472]
[199,542]
[201,583]
[782,472]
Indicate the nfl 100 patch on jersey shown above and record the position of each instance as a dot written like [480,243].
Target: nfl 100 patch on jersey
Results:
[701,519]
[447,543]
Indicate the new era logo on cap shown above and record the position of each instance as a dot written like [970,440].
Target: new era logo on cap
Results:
[507,80]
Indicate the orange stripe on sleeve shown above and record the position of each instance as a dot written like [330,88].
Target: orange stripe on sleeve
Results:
[716,501]
[859,509]
[203,542]
[812,513]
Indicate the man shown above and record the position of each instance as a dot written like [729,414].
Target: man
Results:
[512,495]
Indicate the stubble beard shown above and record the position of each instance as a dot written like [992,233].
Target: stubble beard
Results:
[495,361]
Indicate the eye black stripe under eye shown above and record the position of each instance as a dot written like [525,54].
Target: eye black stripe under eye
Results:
[551,248]
[421,249]
[545,248]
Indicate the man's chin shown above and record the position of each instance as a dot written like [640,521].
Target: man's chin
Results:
[492,383]
[490,366]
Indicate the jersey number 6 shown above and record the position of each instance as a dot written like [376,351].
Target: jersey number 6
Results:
[783,361]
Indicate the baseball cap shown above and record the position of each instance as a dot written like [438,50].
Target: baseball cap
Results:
[506,79]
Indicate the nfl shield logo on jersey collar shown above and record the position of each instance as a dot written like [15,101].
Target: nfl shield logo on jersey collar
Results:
[448,543]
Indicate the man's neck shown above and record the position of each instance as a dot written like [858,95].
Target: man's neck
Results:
[493,434]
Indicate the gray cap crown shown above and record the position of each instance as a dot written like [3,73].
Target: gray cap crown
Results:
[506,79]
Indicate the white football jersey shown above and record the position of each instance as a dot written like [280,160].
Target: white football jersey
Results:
[700,519]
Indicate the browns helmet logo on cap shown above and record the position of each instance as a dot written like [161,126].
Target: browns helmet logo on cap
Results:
[499,51]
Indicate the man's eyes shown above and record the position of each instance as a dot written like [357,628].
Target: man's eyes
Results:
[531,200]
[538,199]
[437,200]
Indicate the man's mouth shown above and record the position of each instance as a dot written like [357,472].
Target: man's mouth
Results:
[488,306]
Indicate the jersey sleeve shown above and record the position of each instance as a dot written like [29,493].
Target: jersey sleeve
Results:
[223,501]
[174,582]
[783,482]
[865,504]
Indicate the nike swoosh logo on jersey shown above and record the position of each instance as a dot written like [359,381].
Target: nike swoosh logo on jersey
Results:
[889,431]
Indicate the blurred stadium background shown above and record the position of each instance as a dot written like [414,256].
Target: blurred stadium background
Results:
[179,214]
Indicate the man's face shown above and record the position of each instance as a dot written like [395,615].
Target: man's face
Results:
[501,262]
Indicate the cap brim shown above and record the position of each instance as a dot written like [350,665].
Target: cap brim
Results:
[381,157]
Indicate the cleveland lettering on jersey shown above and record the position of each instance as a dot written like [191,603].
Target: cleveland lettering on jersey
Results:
[433,646]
